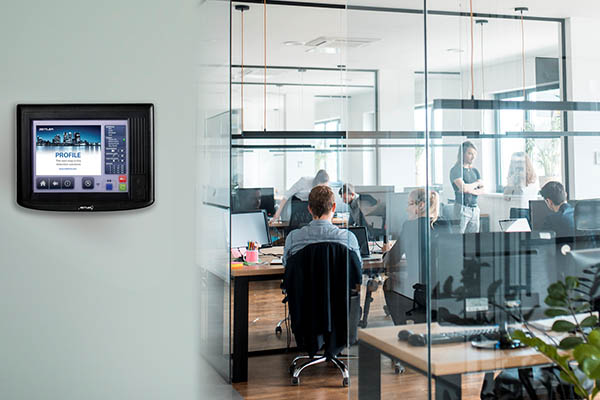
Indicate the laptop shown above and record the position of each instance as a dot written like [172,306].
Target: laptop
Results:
[515,225]
[363,242]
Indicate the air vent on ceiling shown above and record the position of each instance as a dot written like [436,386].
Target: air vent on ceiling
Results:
[339,42]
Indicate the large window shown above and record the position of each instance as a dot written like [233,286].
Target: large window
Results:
[545,153]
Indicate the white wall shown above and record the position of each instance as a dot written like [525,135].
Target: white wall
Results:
[584,85]
[103,305]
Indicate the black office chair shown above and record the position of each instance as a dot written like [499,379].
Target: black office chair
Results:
[587,222]
[319,280]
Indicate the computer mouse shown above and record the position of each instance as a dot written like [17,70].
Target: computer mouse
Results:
[417,340]
[404,334]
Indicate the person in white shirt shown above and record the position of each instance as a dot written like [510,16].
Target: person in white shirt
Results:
[521,185]
[301,189]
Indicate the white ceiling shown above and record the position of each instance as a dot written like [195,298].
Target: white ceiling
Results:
[399,37]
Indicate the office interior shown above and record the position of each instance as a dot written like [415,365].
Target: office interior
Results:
[142,304]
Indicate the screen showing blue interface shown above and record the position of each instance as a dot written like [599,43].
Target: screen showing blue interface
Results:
[80,156]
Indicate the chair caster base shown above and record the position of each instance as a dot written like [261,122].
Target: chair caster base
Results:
[345,382]
[295,381]
[278,330]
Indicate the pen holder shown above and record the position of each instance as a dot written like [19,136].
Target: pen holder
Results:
[251,256]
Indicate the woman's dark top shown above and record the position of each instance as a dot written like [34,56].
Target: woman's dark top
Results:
[412,243]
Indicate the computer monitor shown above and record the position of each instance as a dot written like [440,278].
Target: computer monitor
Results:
[396,213]
[361,235]
[373,203]
[538,211]
[249,226]
[482,278]
[248,199]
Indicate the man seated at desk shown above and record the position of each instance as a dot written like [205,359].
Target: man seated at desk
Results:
[350,197]
[321,205]
[562,219]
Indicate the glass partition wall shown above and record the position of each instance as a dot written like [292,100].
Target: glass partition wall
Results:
[448,121]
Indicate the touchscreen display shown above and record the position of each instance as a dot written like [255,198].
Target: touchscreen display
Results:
[80,156]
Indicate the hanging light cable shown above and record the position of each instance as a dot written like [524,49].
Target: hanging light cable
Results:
[472,75]
[522,10]
[241,8]
[482,22]
[265,71]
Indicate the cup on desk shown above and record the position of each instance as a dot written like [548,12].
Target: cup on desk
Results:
[251,256]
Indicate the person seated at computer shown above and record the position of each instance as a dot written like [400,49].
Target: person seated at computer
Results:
[300,189]
[521,182]
[467,184]
[250,200]
[350,197]
[412,244]
[321,205]
[562,220]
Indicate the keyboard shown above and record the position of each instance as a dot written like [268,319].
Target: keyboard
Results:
[463,336]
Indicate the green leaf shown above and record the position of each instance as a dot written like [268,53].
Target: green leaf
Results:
[572,282]
[590,321]
[557,290]
[570,342]
[553,302]
[585,307]
[563,326]
[555,312]
[586,351]
[589,366]
[519,335]
[594,338]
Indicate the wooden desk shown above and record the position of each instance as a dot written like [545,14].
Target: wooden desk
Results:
[241,278]
[448,362]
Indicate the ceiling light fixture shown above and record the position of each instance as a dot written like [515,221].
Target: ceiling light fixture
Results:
[482,22]
[241,8]
[522,10]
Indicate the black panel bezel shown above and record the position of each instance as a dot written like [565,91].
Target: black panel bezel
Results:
[142,185]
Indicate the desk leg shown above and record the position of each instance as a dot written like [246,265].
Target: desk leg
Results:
[369,372]
[448,387]
[240,329]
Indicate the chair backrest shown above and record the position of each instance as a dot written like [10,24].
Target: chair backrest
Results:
[587,223]
[318,280]
[300,216]
[587,215]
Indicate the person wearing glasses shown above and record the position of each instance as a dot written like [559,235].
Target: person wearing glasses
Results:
[402,277]
[467,184]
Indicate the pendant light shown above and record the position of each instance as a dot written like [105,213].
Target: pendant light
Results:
[522,10]
[482,22]
[241,8]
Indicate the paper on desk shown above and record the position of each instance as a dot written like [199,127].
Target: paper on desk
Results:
[546,324]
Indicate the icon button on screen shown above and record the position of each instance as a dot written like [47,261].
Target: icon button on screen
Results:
[123,187]
[68,183]
[41,183]
[87,182]
[54,183]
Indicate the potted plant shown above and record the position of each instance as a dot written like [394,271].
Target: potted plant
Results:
[578,353]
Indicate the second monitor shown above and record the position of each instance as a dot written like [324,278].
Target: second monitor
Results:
[248,199]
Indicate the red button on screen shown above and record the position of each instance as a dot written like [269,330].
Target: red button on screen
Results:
[122,178]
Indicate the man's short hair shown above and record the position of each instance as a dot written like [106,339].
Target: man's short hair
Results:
[554,191]
[321,200]
[347,188]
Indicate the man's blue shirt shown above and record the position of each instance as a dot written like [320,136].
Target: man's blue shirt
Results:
[318,231]
[562,222]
